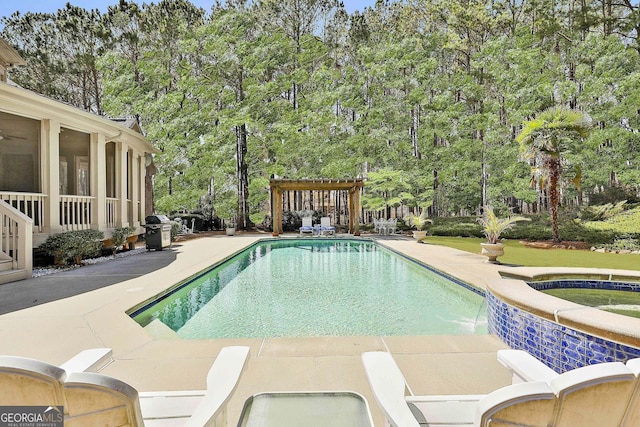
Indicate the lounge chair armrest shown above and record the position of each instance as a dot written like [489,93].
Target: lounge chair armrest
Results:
[90,360]
[634,366]
[524,367]
[388,386]
[222,381]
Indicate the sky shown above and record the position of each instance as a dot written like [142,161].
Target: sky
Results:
[7,7]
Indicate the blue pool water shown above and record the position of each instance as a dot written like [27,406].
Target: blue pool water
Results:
[318,287]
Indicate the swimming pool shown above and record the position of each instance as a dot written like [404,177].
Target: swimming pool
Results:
[317,287]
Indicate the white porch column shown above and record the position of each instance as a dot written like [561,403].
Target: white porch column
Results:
[50,161]
[121,182]
[135,188]
[98,169]
[141,183]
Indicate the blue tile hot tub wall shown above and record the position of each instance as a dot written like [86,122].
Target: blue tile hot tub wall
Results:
[559,347]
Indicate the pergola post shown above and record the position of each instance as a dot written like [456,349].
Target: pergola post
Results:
[353,186]
[276,208]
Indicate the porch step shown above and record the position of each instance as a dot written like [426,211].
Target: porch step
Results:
[13,276]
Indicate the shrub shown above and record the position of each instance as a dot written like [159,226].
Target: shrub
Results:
[614,195]
[624,242]
[457,229]
[602,212]
[119,236]
[175,229]
[74,245]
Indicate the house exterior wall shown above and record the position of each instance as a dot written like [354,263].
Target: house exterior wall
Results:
[75,141]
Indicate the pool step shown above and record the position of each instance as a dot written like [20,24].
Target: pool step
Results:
[159,330]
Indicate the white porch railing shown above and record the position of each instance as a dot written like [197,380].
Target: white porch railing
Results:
[30,204]
[112,205]
[16,237]
[75,212]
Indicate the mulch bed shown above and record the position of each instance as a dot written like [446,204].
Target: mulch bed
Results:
[550,244]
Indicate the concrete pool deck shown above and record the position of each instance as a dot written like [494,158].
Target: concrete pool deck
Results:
[57,330]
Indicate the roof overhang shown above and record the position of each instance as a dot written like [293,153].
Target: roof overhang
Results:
[9,57]
[25,103]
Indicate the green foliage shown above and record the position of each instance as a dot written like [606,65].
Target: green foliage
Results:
[420,222]
[611,195]
[431,94]
[453,229]
[120,235]
[602,212]
[493,226]
[518,254]
[175,229]
[625,222]
[624,243]
[74,245]
[545,141]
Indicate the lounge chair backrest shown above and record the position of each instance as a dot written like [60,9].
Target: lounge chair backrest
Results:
[98,400]
[524,404]
[27,382]
[388,386]
[307,221]
[592,396]
[325,221]
[632,417]
[222,381]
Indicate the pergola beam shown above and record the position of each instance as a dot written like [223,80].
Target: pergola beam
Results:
[278,186]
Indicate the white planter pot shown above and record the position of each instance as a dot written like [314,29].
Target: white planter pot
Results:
[492,250]
[231,231]
[419,235]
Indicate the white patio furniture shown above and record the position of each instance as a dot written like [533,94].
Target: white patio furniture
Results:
[600,395]
[94,399]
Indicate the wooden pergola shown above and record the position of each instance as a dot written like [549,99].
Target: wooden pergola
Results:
[278,186]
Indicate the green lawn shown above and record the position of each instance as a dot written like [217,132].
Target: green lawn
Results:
[517,254]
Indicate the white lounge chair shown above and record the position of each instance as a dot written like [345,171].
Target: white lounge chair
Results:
[307,225]
[595,395]
[525,367]
[505,405]
[27,382]
[95,399]
[326,227]
[632,417]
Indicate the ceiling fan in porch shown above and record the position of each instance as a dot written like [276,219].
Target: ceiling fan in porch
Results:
[10,137]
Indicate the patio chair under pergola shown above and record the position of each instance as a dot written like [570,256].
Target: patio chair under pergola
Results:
[353,186]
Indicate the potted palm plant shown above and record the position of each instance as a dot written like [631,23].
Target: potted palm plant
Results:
[420,222]
[493,227]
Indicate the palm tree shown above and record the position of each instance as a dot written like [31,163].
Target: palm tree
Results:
[548,137]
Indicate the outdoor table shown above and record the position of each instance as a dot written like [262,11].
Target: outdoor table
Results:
[309,409]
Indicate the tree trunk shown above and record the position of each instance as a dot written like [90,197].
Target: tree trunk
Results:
[553,166]
[242,170]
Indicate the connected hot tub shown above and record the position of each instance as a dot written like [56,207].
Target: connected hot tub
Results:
[562,334]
